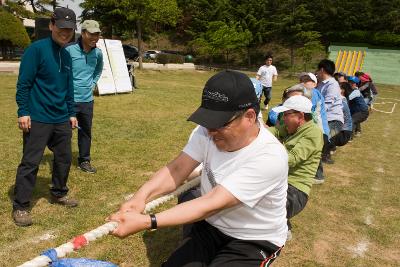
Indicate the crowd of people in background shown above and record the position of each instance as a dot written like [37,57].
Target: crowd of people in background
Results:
[333,103]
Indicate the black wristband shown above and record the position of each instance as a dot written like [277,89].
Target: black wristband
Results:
[153,222]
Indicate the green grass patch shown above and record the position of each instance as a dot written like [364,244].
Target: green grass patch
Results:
[135,134]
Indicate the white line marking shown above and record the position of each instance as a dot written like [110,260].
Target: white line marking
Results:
[360,249]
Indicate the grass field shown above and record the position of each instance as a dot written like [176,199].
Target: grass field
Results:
[351,220]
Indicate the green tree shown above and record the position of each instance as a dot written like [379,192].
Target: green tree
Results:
[39,7]
[12,33]
[293,25]
[386,15]
[197,14]
[222,38]
[132,15]
[253,15]
[311,46]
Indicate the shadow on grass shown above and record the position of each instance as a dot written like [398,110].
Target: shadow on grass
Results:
[43,183]
[161,243]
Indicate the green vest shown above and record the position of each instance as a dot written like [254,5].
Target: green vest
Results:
[304,149]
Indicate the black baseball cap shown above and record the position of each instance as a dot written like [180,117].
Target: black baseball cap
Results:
[64,18]
[224,94]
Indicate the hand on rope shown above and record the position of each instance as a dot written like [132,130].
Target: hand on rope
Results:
[133,204]
[79,241]
[129,222]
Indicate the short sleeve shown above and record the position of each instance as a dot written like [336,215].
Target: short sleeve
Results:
[259,72]
[196,144]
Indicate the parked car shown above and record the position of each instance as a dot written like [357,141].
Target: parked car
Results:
[131,52]
[172,52]
[151,54]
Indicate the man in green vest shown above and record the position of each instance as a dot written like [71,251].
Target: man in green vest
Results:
[303,140]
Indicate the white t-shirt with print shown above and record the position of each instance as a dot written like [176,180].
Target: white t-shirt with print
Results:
[266,73]
[256,175]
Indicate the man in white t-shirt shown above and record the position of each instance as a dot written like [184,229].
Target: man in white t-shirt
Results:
[266,74]
[240,216]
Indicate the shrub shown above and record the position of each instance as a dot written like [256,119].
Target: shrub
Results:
[386,39]
[164,58]
[12,32]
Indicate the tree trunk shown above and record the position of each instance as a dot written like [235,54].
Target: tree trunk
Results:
[139,37]
[227,59]
[248,57]
[292,59]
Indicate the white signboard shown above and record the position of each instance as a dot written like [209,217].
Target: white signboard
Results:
[105,85]
[118,66]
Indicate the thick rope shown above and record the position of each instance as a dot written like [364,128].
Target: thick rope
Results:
[83,240]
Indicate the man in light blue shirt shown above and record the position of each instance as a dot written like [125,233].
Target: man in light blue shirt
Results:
[87,65]
[330,90]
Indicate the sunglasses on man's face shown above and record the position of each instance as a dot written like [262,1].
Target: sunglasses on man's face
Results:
[226,125]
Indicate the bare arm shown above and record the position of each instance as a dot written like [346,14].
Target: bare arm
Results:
[275,78]
[195,210]
[165,180]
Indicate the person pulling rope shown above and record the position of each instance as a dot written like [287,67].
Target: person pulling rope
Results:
[77,242]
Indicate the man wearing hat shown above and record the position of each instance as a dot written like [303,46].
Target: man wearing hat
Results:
[367,89]
[240,216]
[45,100]
[87,65]
[303,140]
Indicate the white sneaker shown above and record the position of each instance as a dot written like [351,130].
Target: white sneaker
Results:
[289,235]
[319,181]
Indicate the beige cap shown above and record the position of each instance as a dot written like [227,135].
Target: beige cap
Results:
[91,26]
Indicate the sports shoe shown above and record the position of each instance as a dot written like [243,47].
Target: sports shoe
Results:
[64,201]
[22,217]
[318,181]
[266,107]
[327,159]
[357,134]
[86,167]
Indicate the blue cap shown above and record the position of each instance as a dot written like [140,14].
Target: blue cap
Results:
[353,79]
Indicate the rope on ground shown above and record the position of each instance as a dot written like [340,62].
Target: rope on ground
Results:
[83,240]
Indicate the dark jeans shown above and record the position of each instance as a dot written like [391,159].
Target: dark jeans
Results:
[84,115]
[335,127]
[358,118]
[320,171]
[296,202]
[267,94]
[57,137]
[207,246]
[340,139]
